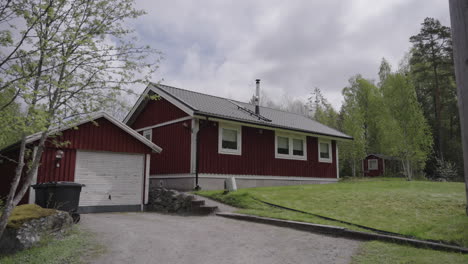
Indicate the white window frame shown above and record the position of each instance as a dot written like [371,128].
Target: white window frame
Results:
[324,160]
[222,150]
[290,138]
[148,132]
[369,161]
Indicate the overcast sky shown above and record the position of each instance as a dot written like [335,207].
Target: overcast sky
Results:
[221,47]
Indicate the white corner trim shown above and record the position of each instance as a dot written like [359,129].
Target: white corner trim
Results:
[170,98]
[291,137]
[165,123]
[238,129]
[324,160]
[337,161]
[32,192]
[193,145]
[147,173]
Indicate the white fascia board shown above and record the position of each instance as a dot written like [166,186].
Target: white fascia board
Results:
[170,99]
[165,123]
[137,104]
[281,130]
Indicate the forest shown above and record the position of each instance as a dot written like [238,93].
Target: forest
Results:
[409,114]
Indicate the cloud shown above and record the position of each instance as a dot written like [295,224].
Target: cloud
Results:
[221,47]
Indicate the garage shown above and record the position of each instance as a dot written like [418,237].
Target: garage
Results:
[110,179]
[108,157]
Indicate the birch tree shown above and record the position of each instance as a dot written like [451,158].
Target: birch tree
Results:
[410,136]
[70,58]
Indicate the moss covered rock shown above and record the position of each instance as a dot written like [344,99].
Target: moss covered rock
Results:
[29,224]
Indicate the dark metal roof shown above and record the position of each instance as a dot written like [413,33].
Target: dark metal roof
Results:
[213,106]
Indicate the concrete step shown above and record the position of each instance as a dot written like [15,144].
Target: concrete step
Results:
[204,210]
[197,203]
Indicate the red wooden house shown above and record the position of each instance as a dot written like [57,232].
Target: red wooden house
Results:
[207,139]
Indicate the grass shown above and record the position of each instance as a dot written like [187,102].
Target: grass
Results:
[423,209]
[379,252]
[26,212]
[75,247]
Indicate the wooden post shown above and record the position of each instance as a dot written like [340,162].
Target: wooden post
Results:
[459,21]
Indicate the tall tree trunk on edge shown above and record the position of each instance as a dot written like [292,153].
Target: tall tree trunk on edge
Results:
[459,21]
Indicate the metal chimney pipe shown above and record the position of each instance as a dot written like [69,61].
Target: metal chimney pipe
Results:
[257,97]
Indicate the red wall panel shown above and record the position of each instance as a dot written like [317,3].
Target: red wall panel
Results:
[175,140]
[258,156]
[156,112]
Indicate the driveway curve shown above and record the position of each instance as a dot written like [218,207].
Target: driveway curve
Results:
[160,238]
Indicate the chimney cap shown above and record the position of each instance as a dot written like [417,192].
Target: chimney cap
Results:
[257,80]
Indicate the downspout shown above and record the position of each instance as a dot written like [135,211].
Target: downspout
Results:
[197,153]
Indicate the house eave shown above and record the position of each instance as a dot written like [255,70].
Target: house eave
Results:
[202,115]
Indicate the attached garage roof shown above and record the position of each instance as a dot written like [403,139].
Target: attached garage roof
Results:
[34,137]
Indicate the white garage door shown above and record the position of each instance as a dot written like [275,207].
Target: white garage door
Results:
[110,178]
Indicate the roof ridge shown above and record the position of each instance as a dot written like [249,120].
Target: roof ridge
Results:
[224,98]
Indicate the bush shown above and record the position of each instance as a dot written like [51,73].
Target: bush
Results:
[446,171]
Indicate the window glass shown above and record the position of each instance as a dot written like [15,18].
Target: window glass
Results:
[283,145]
[373,164]
[298,147]
[324,151]
[148,134]
[229,139]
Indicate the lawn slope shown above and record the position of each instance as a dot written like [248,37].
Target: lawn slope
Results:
[423,209]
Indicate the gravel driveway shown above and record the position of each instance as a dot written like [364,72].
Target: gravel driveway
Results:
[157,238]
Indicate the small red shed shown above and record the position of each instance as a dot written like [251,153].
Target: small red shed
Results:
[108,157]
[374,165]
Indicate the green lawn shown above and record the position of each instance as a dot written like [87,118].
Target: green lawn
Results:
[427,210]
[378,252]
[77,246]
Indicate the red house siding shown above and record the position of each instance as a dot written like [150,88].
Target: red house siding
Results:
[373,173]
[175,140]
[157,112]
[258,156]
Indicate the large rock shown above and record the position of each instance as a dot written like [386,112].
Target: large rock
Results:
[31,232]
[169,201]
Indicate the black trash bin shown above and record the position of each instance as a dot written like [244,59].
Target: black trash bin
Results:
[63,196]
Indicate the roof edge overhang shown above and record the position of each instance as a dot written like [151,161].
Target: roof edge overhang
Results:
[211,117]
[34,137]
[155,88]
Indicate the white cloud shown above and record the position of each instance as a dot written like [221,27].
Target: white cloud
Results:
[221,47]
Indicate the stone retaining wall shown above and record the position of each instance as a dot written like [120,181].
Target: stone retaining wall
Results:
[169,201]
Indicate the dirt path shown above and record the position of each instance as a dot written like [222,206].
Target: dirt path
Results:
[156,238]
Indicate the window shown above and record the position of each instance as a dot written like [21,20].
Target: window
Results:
[290,146]
[325,151]
[230,138]
[148,134]
[283,145]
[372,164]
